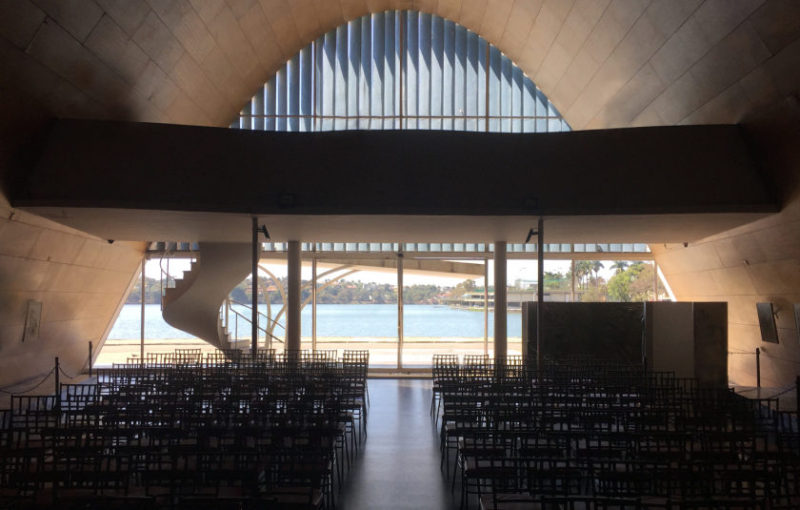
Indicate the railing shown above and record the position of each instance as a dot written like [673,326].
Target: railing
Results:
[167,280]
[225,321]
[261,314]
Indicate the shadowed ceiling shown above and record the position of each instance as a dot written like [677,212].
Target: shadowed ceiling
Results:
[603,63]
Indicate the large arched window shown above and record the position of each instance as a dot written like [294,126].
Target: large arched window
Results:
[401,70]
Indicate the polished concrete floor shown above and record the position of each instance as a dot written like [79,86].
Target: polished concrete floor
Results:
[398,465]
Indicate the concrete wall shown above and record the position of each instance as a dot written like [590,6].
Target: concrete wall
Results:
[80,281]
[758,262]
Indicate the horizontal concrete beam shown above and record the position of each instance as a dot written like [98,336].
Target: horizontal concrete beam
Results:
[389,265]
[688,169]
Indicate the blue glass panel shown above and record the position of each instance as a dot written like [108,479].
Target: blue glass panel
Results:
[353,65]
[293,93]
[437,70]
[412,65]
[424,72]
[400,69]
[389,74]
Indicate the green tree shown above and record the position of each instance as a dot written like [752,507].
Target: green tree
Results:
[152,292]
[619,266]
[583,269]
[556,281]
[635,283]
[596,267]
[463,288]
[595,294]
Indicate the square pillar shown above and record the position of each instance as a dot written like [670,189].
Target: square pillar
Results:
[500,301]
[293,297]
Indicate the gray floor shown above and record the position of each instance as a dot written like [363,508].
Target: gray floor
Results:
[398,465]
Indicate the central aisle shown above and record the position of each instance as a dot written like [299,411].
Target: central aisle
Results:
[398,465]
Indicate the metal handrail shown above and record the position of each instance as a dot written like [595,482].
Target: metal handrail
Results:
[163,272]
[246,319]
[260,313]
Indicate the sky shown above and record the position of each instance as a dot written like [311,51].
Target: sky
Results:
[517,269]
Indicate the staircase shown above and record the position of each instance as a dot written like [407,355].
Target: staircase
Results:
[193,304]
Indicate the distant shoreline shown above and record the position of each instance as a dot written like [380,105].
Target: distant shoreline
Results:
[329,339]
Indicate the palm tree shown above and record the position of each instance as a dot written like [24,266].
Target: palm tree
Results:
[619,266]
[596,267]
[582,269]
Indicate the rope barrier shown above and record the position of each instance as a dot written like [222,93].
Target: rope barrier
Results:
[64,373]
[785,389]
[781,391]
[47,376]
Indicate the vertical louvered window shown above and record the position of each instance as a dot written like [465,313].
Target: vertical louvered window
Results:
[401,70]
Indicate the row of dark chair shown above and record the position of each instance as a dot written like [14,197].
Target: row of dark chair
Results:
[604,435]
[232,432]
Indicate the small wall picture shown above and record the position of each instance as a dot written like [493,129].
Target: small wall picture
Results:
[766,319]
[33,319]
[797,319]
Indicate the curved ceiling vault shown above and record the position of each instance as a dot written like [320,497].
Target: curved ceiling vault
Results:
[603,63]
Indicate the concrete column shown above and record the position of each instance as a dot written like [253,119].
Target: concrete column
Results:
[655,280]
[293,297]
[572,283]
[256,253]
[540,293]
[400,310]
[500,301]
[314,303]
[142,323]
[485,307]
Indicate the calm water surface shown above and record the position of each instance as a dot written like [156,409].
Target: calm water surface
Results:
[340,321]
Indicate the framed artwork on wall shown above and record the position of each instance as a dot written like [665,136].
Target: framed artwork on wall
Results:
[766,320]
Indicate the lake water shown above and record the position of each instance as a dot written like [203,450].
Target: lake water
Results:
[374,321]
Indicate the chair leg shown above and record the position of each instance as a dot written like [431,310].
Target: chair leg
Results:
[455,468]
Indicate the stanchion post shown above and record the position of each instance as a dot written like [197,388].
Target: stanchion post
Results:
[758,367]
[57,392]
[90,359]
[797,395]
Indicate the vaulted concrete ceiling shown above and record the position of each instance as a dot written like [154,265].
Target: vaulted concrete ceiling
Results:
[604,63]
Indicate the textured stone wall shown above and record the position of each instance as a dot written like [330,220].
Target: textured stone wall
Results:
[80,281]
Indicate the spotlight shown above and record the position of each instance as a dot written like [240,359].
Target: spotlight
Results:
[263,230]
[531,233]
[110,241]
